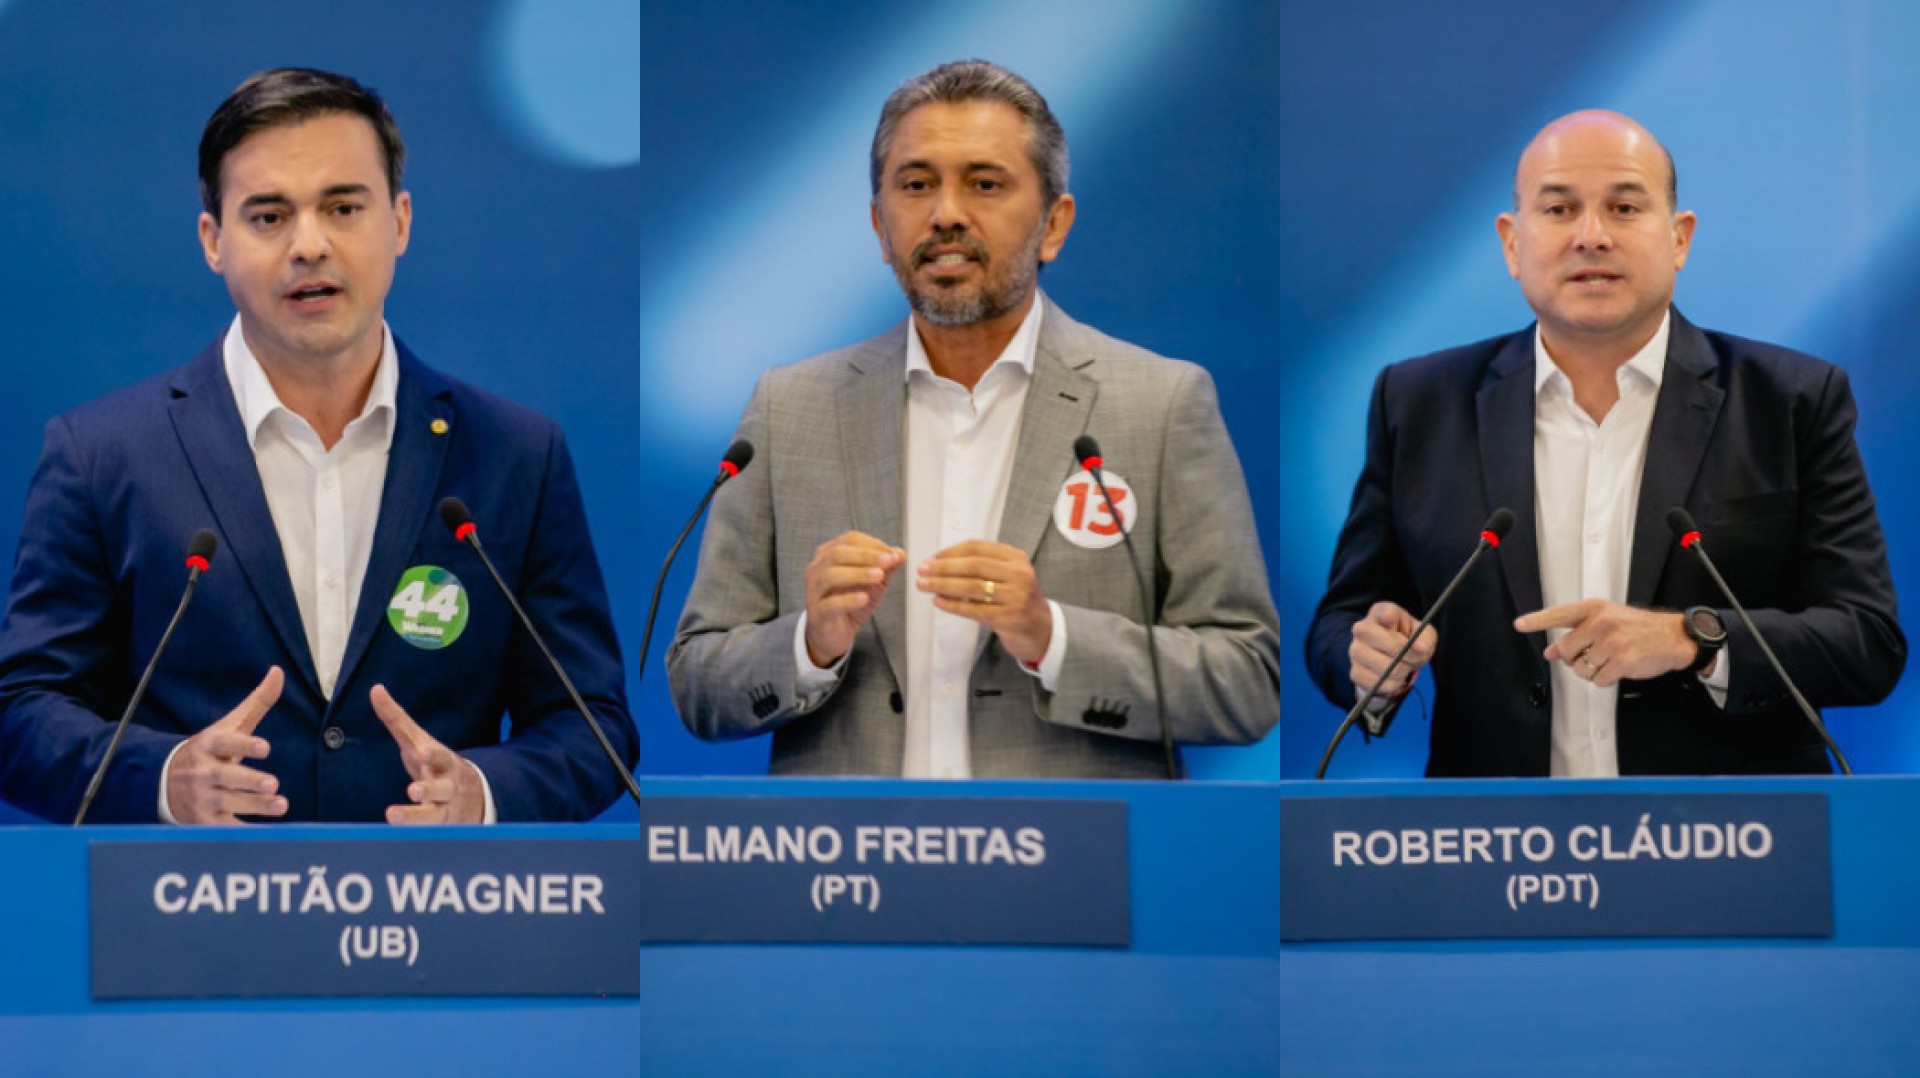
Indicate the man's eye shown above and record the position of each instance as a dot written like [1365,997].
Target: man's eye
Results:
[346,209]
[266,220]
[987,185]
[1626,209]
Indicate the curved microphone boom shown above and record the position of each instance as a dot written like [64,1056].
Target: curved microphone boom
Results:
[200,550]
[459,520]
[1087,452]
[1684,530]
[739,455]
[1496,529]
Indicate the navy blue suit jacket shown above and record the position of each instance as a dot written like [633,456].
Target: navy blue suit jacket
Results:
[1755,441]
[123,483]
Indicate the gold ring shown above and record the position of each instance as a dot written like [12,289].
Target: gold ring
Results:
[987,585]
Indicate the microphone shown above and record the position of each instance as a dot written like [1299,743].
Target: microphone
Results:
[1496,529]
[200,551]
[1683,527]
[455,515]
[739,455]
[1087,451]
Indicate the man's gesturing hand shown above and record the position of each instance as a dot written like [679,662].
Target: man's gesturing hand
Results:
[208,780]
[845,580]
[445,787]
[995,585]
[1375,639]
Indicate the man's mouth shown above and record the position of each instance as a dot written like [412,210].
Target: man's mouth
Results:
[313,293]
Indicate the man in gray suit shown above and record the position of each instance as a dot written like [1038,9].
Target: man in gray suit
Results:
[1021,655]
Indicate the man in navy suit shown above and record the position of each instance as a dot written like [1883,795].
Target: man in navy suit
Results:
[1598,647]
[345,658]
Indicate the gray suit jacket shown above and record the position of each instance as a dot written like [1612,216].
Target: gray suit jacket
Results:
[828,432]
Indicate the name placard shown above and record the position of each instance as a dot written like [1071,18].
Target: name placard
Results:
[1555,865]
[857,870]
[488,917]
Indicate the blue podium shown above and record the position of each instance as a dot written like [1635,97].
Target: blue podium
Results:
[1196,991]
[1821,1006]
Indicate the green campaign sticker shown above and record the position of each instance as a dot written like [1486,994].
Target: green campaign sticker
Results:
[429,608]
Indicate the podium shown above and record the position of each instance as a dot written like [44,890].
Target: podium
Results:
[1196,990]
[1841,1005]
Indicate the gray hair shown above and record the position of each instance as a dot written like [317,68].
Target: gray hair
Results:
[966,81]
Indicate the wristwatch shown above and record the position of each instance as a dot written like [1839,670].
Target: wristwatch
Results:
[1706,630]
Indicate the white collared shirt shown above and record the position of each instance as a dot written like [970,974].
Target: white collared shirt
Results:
[1586,491]
[325,502]
[959,448]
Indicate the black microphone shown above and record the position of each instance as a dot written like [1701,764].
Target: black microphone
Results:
[199,559]
[739,455]
[1683,527]
[454,514]
[1087,451]
[1496,529]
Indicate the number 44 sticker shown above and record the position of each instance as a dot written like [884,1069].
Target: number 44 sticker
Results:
[1081,514]
[429,608]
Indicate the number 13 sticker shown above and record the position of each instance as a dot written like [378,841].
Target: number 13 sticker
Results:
[1082,515]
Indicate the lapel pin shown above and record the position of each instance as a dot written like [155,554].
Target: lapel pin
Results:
[438,426]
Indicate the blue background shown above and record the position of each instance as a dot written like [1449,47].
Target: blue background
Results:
[1798,144]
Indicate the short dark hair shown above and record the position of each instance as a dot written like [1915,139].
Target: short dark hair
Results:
[966,81]
[285,96]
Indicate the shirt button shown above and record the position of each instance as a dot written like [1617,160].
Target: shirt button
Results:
[327,481]
[1595,536]
[333,738]
[946,688]
[956,524]
[330,583]
[963,441]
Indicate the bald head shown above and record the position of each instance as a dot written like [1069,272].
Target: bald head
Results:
[1590,125]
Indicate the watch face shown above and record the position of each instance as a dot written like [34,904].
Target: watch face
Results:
[1706,623]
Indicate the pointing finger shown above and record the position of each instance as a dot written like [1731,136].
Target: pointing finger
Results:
[246,717]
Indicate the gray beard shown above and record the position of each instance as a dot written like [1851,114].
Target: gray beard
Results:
[943,308]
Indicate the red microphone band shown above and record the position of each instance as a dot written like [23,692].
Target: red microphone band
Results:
[195,561]
[730,468]
[1687,540]
[1091,463]
[463,531]
[1489,538]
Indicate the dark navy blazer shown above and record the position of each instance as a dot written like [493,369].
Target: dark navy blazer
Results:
[1755,441]
[122,484]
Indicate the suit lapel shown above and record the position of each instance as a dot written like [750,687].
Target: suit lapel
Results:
[1505,408]
[1059,400]
[1683,422]
[872,420]
[406,501]
[207,422]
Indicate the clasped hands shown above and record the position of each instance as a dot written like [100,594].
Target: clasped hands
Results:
[210,781]
[990,583]
[1604,643]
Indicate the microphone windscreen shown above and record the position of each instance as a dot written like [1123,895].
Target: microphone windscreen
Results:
[1680,521]
[454,514]
[1499,524]
[202,545]
[739,454]
[1085,448]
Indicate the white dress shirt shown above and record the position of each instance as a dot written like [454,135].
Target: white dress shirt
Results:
[1586,490]
[959,458]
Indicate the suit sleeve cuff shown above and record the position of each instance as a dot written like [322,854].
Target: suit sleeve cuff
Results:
[488,817]
[1050,664]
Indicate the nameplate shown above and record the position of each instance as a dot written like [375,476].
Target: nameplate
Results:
[858,870]
[488,917]
[1575,865]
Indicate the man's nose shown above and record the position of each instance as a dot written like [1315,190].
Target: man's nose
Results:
[1591,232]
[310,242]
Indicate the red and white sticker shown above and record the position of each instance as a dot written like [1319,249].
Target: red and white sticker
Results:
[1081,513]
